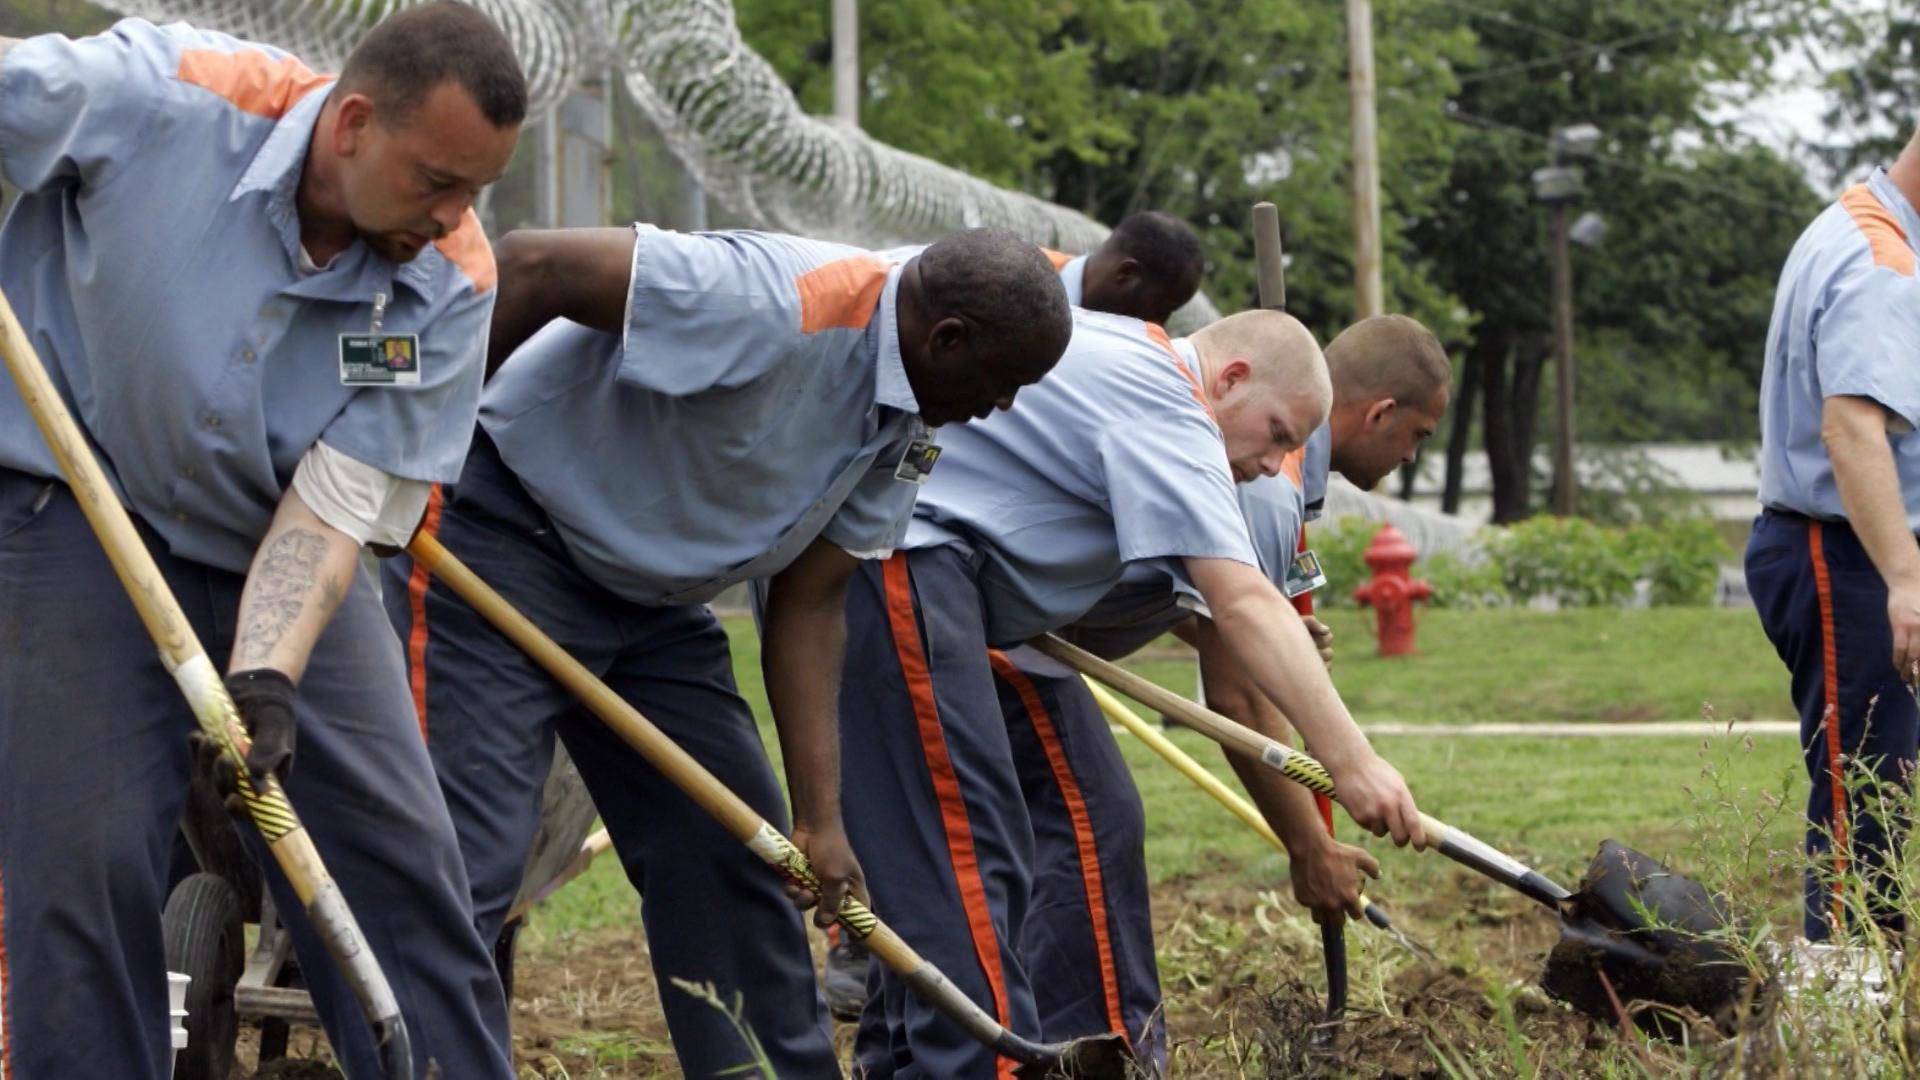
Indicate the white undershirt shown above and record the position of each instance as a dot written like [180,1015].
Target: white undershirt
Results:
[372,506]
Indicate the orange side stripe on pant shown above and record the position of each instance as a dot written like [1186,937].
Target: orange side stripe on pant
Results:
[417,606]
[1082,832]
[1830,672]
[6,987]
[946,785]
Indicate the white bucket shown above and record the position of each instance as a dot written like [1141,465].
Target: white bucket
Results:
[177,1013]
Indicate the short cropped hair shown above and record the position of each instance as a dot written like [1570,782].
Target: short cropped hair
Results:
[1003,286]
[1388,356]
[1165,247]
[410,53]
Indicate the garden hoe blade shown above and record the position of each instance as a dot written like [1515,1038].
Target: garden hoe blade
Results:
[1648,934]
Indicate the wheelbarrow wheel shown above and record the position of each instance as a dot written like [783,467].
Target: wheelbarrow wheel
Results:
[205,939]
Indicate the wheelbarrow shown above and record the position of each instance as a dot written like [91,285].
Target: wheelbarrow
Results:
[220,889]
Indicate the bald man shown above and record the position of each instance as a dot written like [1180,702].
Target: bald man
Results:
[1089,925]
[1129,451]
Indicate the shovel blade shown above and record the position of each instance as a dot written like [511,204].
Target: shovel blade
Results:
[1652,933]
[1094,1057]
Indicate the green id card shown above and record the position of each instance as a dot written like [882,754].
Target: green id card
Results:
[379,359]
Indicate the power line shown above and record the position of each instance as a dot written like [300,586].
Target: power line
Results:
[1509,20]
[1673,29]
[1655,172]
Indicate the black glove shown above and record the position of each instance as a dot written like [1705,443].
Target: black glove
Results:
[265,700]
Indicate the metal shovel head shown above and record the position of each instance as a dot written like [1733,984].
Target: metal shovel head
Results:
[1094,1057]
[1651,932]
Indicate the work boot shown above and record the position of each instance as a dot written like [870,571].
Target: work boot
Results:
[845,982]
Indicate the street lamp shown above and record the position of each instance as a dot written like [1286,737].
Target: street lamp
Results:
[1559,186]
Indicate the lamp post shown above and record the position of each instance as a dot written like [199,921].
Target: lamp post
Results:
[1559,186]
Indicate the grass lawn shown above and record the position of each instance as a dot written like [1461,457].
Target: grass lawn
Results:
[1602,664]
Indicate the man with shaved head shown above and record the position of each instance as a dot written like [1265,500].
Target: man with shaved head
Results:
[692,411]
[1128,452]
[1390,381]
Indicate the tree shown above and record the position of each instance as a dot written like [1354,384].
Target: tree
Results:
[1700,222]
[1196,107]
[1877,95]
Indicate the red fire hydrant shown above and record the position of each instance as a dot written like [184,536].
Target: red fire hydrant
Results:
[1392,592]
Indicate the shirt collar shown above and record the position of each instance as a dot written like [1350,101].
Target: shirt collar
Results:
[276,170]
[1314,468]
[1074,277]
[890,385]
[1896,202]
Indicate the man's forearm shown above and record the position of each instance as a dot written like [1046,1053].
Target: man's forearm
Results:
[803,647]
[1287,807]
[1271,644]
[1855,433]
[300,573]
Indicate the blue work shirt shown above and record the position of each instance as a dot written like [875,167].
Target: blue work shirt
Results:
[757,400]
[1846,320]
[1153,597]
[1112,458]
[154,259]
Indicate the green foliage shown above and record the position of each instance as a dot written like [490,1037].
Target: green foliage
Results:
[1571,559]
[1467,584]
[1876,98]
[1583,564]
[1196,107]
[1342,550]
[1577,561]
[1681,559]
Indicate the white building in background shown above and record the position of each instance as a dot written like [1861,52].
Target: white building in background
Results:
[1724,477]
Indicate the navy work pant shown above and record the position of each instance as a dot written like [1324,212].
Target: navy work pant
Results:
[93,775]
[1825,608]
[713,911]
[951,807]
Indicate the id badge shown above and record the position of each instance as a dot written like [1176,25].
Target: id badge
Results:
[1304,575]
[918,461]
[379,359]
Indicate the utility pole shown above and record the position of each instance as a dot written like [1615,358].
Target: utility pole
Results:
[1368,293]
[846,62]
[1563,479]
[1559,186]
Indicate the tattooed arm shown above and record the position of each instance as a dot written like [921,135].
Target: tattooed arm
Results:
[299,576]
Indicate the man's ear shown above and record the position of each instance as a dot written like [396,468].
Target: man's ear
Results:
[1379,411]
[1231,374]
[1127,274]
[949,335]
[350,124]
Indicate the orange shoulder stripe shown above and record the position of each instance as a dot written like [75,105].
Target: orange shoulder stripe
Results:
[842,294]
[466,247]
[1883,233]
[1294,465]
[1059,259]
[252,81]
[1160,338]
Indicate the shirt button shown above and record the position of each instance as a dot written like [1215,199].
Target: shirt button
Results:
[210,422]
[180,515]
[246,355]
